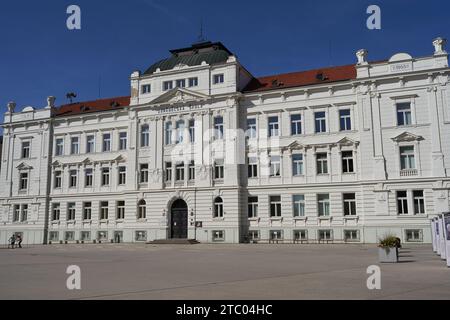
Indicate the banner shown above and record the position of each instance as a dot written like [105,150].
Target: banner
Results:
[446,224]
[433,235]
[442,237]
[438,235]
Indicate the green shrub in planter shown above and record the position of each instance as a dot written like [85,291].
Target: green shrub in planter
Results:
[388,248]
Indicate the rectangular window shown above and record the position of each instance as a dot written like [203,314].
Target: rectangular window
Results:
[167,85]
[300,235]
[74,145]
[168,137]
[143,168]
[275,166]
[102,235]
[87,210]
[349,204]
[53,236]
[252,167]
[26,149]
[218,78]
[73,175]
[58,179]
[141,235]
[253,235]
[105,176]
[351,235]
[275,206]
[218,235]
[168,171]
[323,205]
[71,211]
[90,144]
[325,235]
[414,235]
[122,140]
[122,175]
[103,210]
[193,82]
[273,126]
[296,124]
[407,158]
[419,202]
[56,211]
[218,127]
[145,135]
[192,130]
[402,202]
[59,147]
[297,164]
[347,162]
[69,236]
[23,181]
[16,213]
[24,212]
[276,235]
[88,177]
[252,207]
[85,236]
[180,126]
[345,121]
[322,163]
[180,83]
[404,114]
[192,170]
[179,171]
[320,121]
[299,205]
[218,169]
[251,128]
[120,210]
[146,88]
[106,142]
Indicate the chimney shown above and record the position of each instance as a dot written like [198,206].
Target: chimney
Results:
[11,106]
[439,44]
[362,55]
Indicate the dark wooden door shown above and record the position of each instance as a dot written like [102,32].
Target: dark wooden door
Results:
[178,228]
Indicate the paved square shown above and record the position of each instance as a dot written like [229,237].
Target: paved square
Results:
[245,271]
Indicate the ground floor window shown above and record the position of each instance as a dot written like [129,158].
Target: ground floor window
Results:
[218,235]
[102,235]
[69,236]
[85,235]
[276,235]
[351,235]
[253,235]
[53,236]
[300,234]
[140,235]
[325,235]
[414,235]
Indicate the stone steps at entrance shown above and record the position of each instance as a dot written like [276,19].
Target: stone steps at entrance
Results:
[173,241]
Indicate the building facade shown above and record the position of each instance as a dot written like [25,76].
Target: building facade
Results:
[203,150]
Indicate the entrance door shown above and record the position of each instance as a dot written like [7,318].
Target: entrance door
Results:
[178,228]
[118,236]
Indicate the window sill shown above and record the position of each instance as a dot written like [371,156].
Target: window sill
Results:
[413,216]
[301,218]
[119,220]
[218,218]
[276,218]
[141,220]
[348,173]
[324,218]
[54,222]
[87,221]
[351,217]
[323,174]
[254,219]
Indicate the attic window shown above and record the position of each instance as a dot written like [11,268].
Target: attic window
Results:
[114,104]
[320,76]
[276,83]
[84,108]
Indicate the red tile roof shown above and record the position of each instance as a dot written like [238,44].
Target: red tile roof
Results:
[302,78]
[92,106]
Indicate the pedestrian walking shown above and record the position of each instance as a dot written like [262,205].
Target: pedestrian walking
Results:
[12,241]
[19,240]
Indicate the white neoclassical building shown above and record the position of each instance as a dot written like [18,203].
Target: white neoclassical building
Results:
[203,150]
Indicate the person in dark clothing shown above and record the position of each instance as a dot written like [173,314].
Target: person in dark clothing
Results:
[19,240]
[12,241]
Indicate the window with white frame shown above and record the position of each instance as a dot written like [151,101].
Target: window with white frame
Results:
[87,210]
[57,179]
[297,164]
[106,142]
[120,210]
[296,124]
[180,126]
[298,205]
[56,211]
[251,128]
[252,207]
[168,171]
[345,120]
[407,158]
[252,167]
[419,202]
[26,147]
[218,169]
[105,176]
[74,145]
[253,235]
[404,114]
[180,83]
[218,127]
[351,235]
[193,82]
[168,130]
[88,177]
[53,236]
[323,204]
[300,234]
[23,181]
[102,235]
[218,207]
[191,170]
[85,235]
[320,121]
[218,78]
[179,171]
[142,209]
[275,166]
[70,211]
[24,213]
[90,143]
[347,162]
[16,213]
[104,210]
[349,202]
[275,206]
[123,140]
[73,175]
[143,172]
[325,235]
[322,163]
[192,130]
[218,235]
[145,135]
[69,235]
[276,235]
[59,147]
[122,173]
[402,202]
[140,235]
[146,88]
[167,85]
[414,235]
[274,127]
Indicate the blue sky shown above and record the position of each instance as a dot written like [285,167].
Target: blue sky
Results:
[39,56]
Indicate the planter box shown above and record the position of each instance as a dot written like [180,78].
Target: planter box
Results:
[388,254]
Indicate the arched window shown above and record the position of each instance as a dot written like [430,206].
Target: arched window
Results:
[218,207]
[142,209]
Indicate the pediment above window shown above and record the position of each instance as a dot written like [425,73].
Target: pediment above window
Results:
[87,161]
[347,142]
[120,158]
[179,95]
[295,146]
[24,166]
[407,137]
[56,163]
